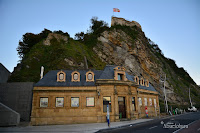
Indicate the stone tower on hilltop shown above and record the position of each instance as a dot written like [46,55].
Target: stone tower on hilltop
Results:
[122,21]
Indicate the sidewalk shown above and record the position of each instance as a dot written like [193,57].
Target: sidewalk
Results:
[73,128]
[76,128]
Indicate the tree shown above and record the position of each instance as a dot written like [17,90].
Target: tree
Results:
[62,33]
[45,33]
[29,40]
[96,25]
[79,36]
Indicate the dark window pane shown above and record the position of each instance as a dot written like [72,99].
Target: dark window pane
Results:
[106,101]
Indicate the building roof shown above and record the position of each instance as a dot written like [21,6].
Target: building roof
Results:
[50,79]
[3,68]
[4,74]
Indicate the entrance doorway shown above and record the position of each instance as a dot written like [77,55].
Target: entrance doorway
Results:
[122,107]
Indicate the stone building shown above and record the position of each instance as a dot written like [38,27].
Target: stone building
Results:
[122,21]
[82,96]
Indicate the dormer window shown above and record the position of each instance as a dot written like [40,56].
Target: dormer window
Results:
[147,83]
[120,76]
[119,73]
[75,76]
[89,76]
[61,76]
[142,81]
[137,80]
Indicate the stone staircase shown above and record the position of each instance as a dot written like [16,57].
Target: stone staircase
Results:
[8,117]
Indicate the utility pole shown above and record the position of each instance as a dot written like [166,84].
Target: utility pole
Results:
[86,64]
[190,97]
[165,95]
[166,105]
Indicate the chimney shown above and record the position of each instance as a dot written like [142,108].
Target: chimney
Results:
[42,71]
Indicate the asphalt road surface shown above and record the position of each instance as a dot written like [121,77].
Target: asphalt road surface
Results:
[184,123]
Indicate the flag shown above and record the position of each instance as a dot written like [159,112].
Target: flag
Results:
[116,10]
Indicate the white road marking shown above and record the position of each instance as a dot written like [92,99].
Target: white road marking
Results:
[152,127]
[198,129]
[184,128]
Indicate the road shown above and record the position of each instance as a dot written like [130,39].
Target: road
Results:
[189,122]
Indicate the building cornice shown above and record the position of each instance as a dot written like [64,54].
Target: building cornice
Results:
[114,82]
[143,91]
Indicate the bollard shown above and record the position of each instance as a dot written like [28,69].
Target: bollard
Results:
[146,111]
[108,116]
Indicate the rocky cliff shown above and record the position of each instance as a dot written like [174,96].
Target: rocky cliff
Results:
[125,44]
[140,56]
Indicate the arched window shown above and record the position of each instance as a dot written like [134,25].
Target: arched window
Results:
[136,80]
[61,76]
[142,81]
[89,76]
[75,76]
[147,83]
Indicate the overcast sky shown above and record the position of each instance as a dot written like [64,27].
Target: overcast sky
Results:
[172,24]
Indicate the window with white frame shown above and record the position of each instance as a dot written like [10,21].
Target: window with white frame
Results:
[43,101]
[145,101]
[74,101]
[150,101]
[59,101]
[154,102]
[140,101]
[90,101]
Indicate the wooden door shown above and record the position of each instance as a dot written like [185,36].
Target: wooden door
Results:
[122,107]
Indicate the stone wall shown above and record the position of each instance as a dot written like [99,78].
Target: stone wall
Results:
[83,114]
[18,96]
[66,114]
[153,110]
[4,74]
[122,21]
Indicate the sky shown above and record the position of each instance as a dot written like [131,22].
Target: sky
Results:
[172,24]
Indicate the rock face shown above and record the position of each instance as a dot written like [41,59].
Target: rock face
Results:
[54,35]
[117,47]
[136,60]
